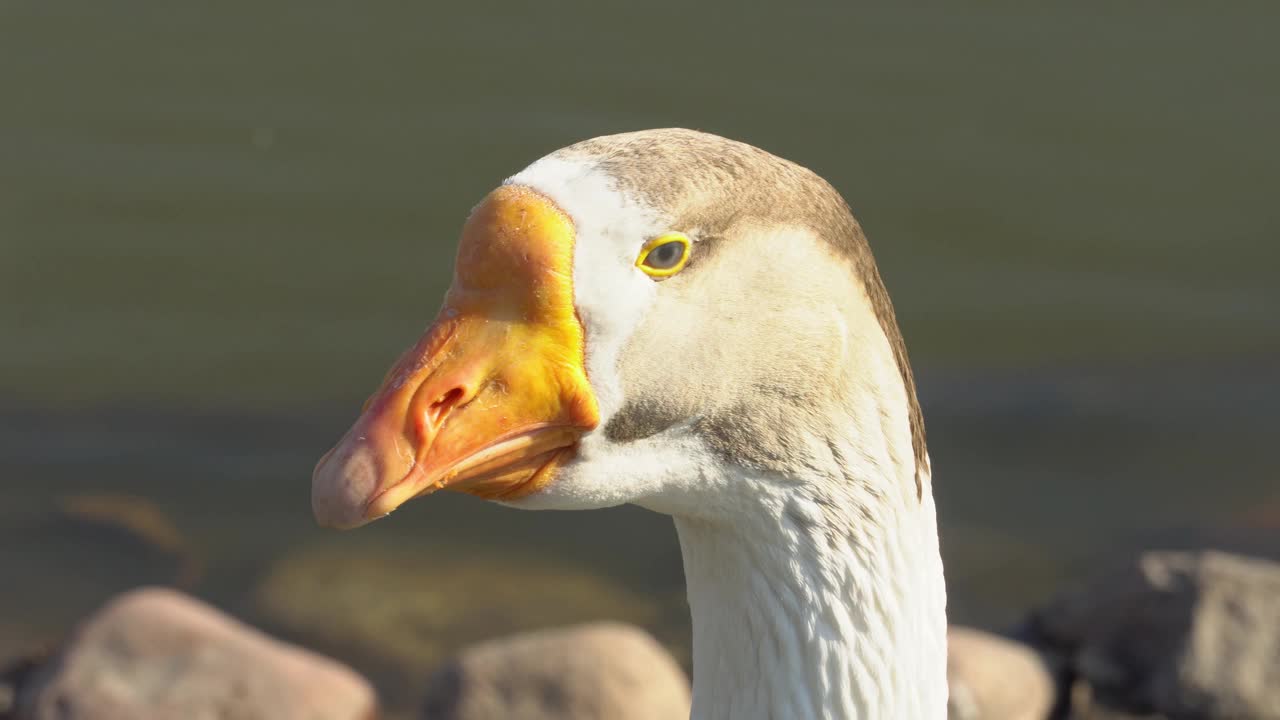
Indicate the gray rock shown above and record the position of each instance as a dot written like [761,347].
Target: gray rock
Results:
[994,678]
[600,671]
[158,654]
[1184,634]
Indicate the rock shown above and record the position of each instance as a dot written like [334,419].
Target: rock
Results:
[1183,634]
[994,678]
[599,671]
[158,654]
[397,611]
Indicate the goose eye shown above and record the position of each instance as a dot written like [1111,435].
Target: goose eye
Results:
[664,255]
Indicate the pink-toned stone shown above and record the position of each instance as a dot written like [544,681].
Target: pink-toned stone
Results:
[156,654]
[995,678]
[598,671]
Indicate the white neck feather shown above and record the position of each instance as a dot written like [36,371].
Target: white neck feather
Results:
[799,614]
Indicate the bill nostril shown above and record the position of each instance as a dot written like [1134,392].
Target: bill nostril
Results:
[431,407]
[440,409]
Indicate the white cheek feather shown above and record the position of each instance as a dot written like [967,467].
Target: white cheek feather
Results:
[612,295]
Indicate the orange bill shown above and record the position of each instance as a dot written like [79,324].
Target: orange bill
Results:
[494,396]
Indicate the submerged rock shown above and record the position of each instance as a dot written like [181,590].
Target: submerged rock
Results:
[397,611]
[19,643]
[156,654]
[1182,634]
[14,674]
[600,671]
[994,678]
[138,518]
[1083,705]
[63,559]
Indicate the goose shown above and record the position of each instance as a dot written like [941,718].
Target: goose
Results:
[690,324]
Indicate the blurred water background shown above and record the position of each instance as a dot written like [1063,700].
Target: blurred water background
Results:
[221,222]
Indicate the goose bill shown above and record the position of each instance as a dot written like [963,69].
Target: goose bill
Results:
[494,396]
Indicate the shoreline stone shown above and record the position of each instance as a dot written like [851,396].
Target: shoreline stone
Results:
[991,677]
[584,672]
[1168,634]
[157,654]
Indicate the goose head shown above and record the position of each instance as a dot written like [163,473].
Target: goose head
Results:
[690,324]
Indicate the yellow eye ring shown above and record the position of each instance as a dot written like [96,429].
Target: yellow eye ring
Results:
[664,255]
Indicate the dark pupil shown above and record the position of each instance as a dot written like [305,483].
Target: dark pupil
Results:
[666,255]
